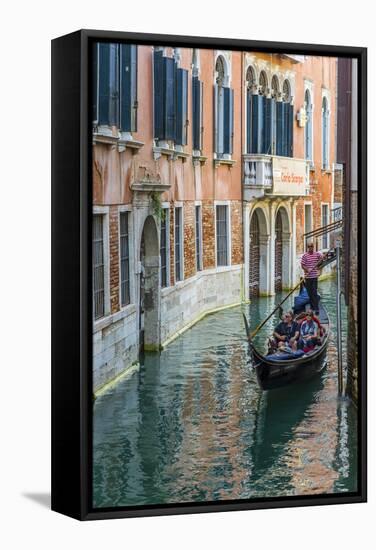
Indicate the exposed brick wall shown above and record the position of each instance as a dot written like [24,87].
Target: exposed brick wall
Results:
[114,259]
[300,227]
[208,234]
[236,233]
[352,346]
[189,239]
[338,185]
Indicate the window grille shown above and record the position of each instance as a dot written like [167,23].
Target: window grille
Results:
[124,259]
[198,239]
[163,249]
[98,267]
[222,236]
[178,247]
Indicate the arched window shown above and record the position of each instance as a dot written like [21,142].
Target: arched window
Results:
[275,96]
[224,106]
[308,126]
[197,108]
[325,133]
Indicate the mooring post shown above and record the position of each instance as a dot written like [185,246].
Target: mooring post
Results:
[339,321]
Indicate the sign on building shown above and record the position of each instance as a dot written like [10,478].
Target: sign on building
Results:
[289,176]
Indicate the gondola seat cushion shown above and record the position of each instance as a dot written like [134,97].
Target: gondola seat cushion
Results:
[284,356]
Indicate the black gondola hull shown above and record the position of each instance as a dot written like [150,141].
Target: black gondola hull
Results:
[275,375]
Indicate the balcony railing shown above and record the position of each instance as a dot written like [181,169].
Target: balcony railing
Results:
[258,170]
[275,175]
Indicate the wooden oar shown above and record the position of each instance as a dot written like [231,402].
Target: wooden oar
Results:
[284,300]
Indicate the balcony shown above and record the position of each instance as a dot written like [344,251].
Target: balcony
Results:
[273,176]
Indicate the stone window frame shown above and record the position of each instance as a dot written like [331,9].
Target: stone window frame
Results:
[179,204]
[328,221]
[104,211]
[325,94]
[127,208]
[307,203]
[229,234]
[167,206]
[309,85]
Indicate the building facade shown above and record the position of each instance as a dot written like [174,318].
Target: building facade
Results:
[208,168]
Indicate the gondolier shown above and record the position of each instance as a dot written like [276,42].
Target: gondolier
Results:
[309,263]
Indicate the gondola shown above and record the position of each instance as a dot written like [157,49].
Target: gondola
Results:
[274,372]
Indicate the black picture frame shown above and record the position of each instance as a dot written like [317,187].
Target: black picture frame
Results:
[71,274]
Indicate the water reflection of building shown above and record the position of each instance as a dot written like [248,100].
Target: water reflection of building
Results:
[208,167]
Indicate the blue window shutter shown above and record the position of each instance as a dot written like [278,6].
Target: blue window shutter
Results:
[170,99]
[128,87]
[159,103]
[267,145]
[249,122]
[104,84]
[279,140]
[197,112]
[216,117]
[290,152]
[228,115]
[273,129]
[201,117]
[94,81]
[114,85]
[255,123]
[181,106]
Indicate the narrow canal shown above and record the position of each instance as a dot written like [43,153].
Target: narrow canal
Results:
[192,425]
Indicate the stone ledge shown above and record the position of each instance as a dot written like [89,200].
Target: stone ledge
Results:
[105,322]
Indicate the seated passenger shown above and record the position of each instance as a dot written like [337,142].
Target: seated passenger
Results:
[309,333]
[286,334]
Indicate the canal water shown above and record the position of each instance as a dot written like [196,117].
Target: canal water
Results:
[192,425]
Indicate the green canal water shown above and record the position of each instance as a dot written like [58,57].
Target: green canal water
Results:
[192,425]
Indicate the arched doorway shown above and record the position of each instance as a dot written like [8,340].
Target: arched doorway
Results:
[278,253]
[258,254]
[282,251]
[149,317]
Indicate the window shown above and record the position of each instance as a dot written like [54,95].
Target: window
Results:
[98,267]
[178,245]
[269,119]
[324,222]
[197,113]
[307,219]
[224,112]
[124,259]
[164,251]
[198,238]
[170,100]
[308,126]
[222,235]
[115,86]
[325,133]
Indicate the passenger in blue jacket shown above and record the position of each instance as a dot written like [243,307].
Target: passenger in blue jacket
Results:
[286,334]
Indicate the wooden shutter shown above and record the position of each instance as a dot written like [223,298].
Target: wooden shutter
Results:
[228,119]
[170,99]
[197,112]
[181,106]
[114,85]
[159,103]
[216,121]
[267,134]
[249,121]
[103,84]
[128,87]
[257,123]
[94,82]
[290,150]
[273,129]
[279,140]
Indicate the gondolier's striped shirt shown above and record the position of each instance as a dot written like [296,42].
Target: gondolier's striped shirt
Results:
[309,261]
